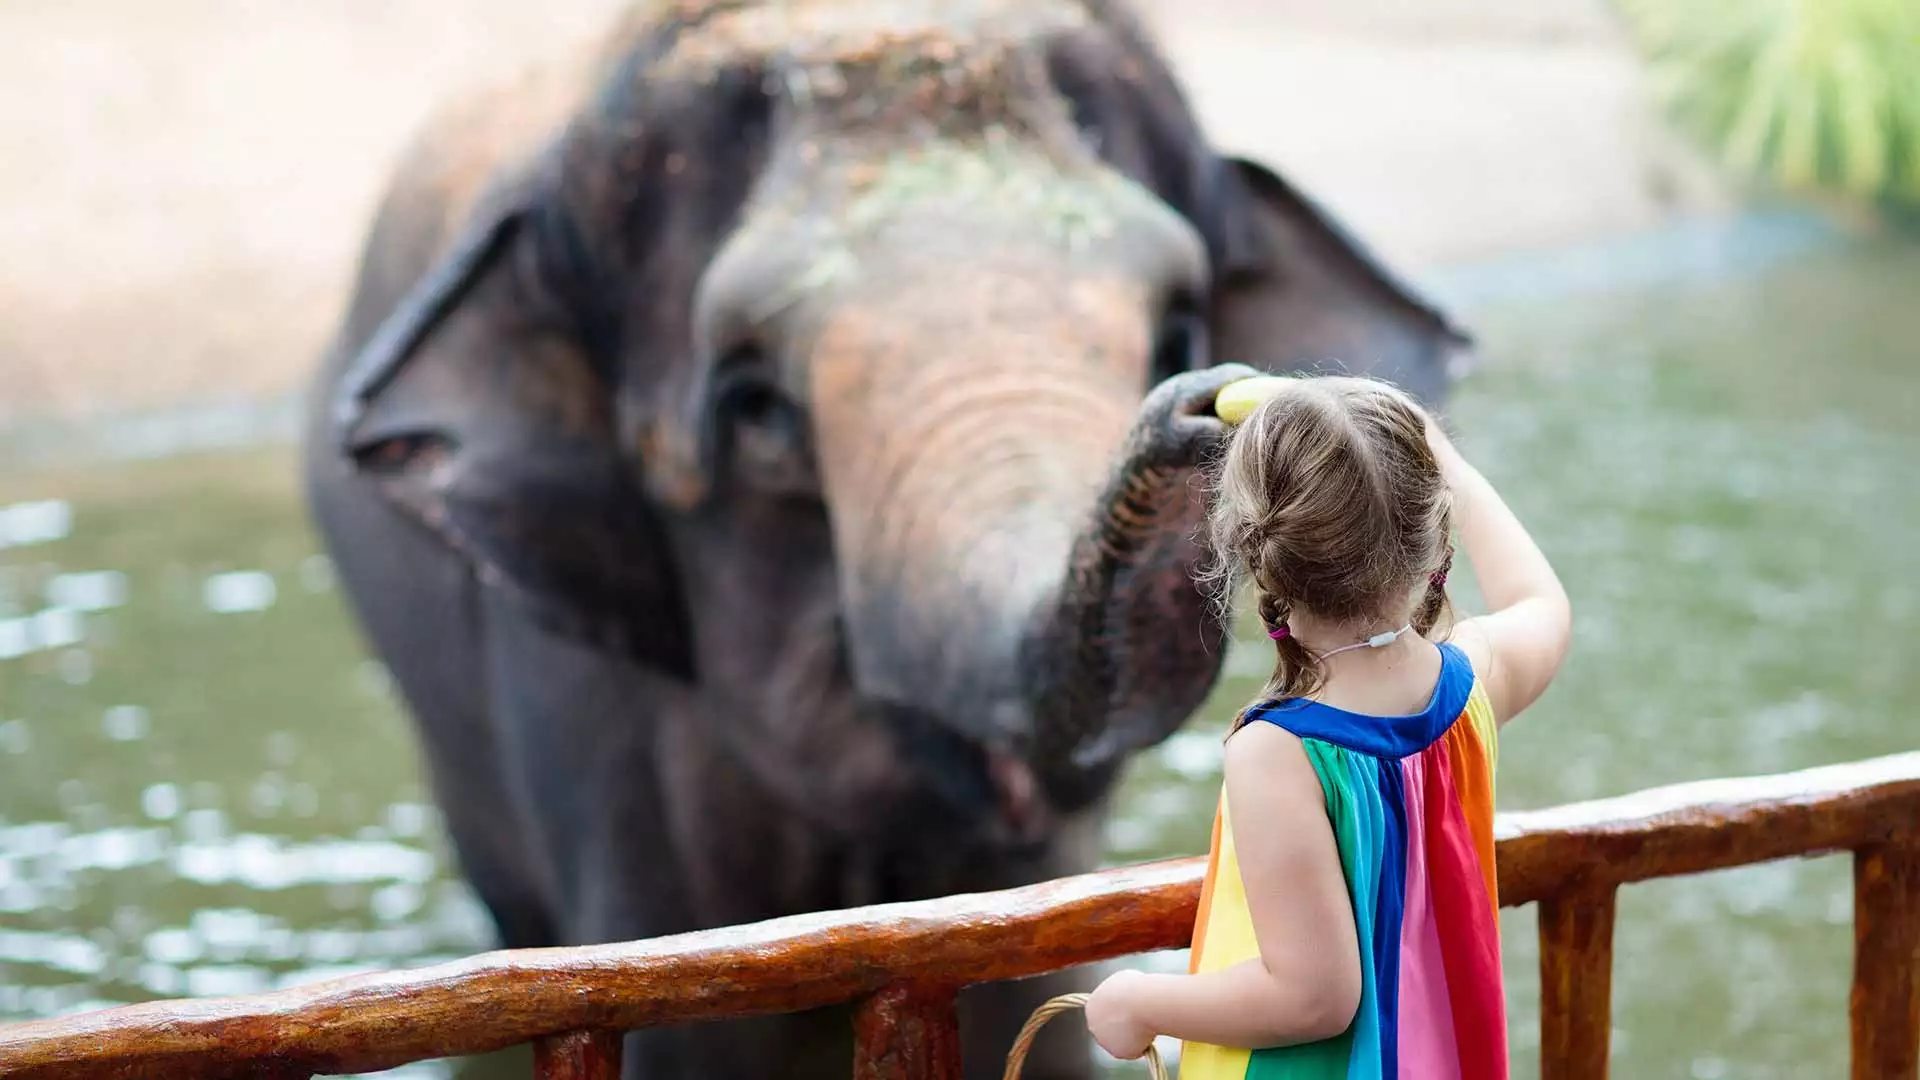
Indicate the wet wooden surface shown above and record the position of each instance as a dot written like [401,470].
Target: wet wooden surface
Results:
[1576,985]
[578,1055]
[1885,1001]
[495,1000]
[1709,825]
[907,1032]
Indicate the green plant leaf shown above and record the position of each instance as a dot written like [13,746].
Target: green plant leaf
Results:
[1803,93]
[1861,120]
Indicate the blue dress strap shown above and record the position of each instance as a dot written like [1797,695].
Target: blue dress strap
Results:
[1380,736]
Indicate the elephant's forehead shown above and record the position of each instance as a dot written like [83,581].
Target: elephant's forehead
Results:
[869,209]
[891,102]
[846,223]
[816,34]
[1072,203]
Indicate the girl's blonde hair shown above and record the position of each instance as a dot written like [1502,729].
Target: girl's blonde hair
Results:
[1329,498]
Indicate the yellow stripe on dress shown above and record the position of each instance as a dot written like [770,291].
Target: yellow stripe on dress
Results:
[1225,938]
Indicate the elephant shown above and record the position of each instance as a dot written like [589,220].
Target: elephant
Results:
[764,449]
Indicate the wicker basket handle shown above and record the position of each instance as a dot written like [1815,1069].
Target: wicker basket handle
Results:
[1017,1057]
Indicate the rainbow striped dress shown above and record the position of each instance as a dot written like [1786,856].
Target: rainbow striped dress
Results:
[1411,800]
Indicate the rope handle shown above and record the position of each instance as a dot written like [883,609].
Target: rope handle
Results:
[1017,1057]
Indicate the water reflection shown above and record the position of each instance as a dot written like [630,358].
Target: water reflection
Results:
[34,522]
[206,787]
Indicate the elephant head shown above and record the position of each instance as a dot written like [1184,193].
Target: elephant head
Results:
[851,375]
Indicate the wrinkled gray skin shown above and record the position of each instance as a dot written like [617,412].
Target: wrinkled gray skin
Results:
[764,458]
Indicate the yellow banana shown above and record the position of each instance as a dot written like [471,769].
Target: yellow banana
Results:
[1237,400]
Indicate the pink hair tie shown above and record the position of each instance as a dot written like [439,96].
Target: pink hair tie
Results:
[1279,632]
[1439,578]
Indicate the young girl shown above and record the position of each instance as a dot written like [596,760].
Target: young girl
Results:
[1348,926]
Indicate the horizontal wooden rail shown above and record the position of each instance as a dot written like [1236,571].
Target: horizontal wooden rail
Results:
[364,1023]
[919,952]
[1706,825]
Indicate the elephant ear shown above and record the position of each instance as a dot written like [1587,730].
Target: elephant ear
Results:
[1296,291]
[488,424]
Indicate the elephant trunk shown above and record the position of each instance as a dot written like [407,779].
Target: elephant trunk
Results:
[967,426]
[1129,646]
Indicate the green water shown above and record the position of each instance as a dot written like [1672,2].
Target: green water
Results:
[205,788]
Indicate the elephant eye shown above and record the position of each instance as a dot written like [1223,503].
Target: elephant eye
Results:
[760,406]
[763,430]
[747,395]
[1180,343]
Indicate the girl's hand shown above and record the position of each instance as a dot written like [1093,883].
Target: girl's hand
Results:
[1113,1016]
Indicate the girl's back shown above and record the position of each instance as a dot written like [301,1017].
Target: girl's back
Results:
[1410,798]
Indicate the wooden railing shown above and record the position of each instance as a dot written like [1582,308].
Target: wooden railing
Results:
[904,962]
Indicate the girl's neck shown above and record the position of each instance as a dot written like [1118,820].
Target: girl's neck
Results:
[1390,680]
[1322,636]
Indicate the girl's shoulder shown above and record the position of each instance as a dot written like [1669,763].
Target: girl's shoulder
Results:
[1470,639]
[1381,736]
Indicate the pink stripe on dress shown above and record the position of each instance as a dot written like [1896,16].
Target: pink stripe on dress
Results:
[1427,1048]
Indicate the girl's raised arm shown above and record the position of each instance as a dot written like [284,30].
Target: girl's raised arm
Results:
[1519,645]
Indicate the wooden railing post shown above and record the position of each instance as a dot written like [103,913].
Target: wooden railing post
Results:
[1576,985]
[907,1032]
[578,1055]
[1884,1005]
